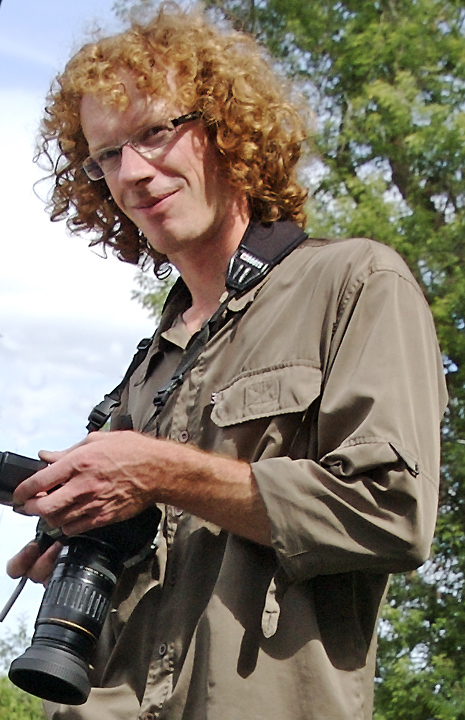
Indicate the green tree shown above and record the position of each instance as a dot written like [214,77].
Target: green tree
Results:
[13,643]
[386,81]
[151,292]
[15,703]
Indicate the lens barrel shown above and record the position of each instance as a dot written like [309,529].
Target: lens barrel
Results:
[69,622]
[74,607]
[76,602]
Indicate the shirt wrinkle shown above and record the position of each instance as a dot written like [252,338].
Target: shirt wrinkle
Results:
[289,631]
[373,270]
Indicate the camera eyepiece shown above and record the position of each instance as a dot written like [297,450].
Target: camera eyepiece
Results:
[13,470]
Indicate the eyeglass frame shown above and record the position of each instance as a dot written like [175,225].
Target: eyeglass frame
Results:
[133,142]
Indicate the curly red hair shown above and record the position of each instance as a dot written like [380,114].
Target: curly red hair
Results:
[245,107]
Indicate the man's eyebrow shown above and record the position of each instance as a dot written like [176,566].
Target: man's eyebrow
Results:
[143,125]
[151,118]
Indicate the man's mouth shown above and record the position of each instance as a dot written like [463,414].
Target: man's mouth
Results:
[151,202]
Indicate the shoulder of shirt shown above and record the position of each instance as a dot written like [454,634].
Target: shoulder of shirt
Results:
[357,256]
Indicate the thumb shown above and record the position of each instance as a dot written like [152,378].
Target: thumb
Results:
[52,456]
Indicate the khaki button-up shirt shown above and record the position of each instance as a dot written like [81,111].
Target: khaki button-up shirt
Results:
[328,380]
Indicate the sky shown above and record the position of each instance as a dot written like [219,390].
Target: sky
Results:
[68,325]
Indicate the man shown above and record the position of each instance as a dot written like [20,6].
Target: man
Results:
[296,461]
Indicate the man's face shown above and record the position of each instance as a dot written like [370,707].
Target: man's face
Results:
[179,199]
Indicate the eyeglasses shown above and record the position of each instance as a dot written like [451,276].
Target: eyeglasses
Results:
[146,142]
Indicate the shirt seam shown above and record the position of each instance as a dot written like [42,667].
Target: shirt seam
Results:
[362,277]
[280,366]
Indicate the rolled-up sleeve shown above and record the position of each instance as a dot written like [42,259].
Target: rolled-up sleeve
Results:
[367,499]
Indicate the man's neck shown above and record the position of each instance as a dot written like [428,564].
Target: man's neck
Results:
[204,271]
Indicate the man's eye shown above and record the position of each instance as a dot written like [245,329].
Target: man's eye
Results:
[154,135]
[107,155]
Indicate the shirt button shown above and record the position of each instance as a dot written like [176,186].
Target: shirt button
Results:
[183,436]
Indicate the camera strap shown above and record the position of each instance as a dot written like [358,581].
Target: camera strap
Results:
[101,413]
[261,249]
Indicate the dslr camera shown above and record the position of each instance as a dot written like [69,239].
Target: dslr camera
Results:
[77,599]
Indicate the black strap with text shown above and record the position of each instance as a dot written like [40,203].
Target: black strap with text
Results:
[261,249]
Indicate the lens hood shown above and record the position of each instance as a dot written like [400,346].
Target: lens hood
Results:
[51,674]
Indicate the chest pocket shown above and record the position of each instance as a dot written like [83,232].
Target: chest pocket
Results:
[275,391]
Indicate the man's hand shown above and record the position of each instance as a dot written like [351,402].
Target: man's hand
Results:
[106,478]
[31,564]
[110,477]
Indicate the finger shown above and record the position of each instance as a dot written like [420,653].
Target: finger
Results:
[57,473]
[54,507]
[82,524]
[31,564]
[20,563]
[52,456]
[43,568]
[42,481]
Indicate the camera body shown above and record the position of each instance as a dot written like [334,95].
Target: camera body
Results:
[77,599]
[13,470]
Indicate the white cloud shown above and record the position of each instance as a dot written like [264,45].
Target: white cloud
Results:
[68,327]
[26,52]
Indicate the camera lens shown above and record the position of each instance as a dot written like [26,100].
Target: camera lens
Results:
[69,622]
[75,604]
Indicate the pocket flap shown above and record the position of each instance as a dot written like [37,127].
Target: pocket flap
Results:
[275,391]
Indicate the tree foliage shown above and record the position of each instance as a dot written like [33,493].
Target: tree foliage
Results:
[151,292]
[12,644]
[15,703]
[386,81]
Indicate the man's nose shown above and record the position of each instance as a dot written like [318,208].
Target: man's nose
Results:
[134,166]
